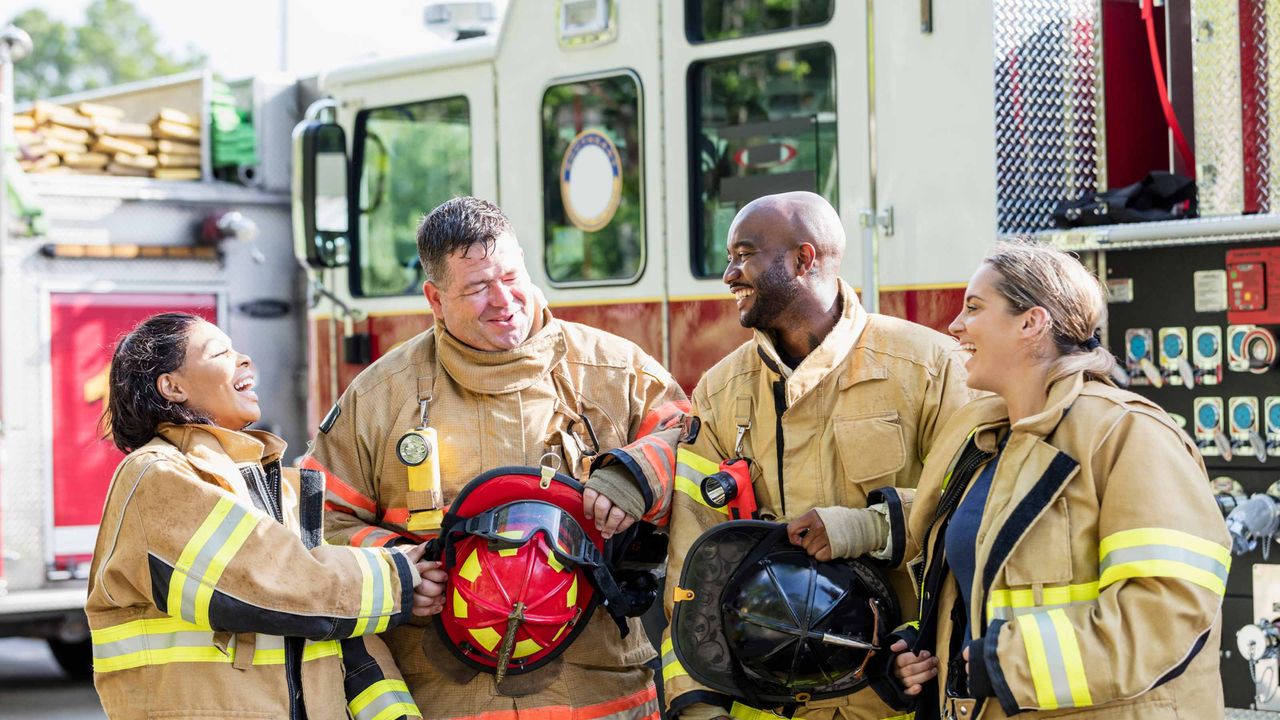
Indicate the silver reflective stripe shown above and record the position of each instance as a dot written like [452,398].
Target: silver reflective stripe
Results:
[372,560]
[200,566]
[268,642]
[157,641]
[1171,553]
[1053,656]
[1008,613]
[382,702]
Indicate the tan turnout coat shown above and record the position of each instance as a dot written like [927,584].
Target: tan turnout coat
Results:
[859,414]
[493,409]
[203,597]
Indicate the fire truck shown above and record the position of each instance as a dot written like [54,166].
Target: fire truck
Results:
[83,260]
[622,137]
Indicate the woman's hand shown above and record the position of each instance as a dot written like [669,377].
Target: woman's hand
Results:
[913,670]
[428,594]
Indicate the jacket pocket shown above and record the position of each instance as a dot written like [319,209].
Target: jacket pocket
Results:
[1044,555]
[871,448]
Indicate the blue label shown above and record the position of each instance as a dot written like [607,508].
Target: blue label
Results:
[1242,416]
[1207,345]
[1172,346]
[1138,347]
[1237,342]
[1208,417]
[1273,417]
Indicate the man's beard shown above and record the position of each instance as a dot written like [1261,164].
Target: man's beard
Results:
[774,292]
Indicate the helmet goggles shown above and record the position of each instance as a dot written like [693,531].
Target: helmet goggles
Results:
[516,523]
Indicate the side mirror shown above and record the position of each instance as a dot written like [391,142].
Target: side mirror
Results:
[320,167]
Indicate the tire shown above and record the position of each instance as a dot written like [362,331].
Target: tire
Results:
[75,658]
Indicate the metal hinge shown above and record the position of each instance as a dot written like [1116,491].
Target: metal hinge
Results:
[882,219]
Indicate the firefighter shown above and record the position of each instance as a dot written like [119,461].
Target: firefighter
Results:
[209,592]
[826,405]
[496,381]
[1073,560]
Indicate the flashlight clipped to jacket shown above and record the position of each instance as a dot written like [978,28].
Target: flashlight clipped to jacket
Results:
[731,488]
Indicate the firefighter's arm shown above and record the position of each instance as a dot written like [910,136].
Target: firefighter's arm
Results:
[219,563]
[637,479]
[945,393]
[372,682]
[350,495]
[689,517]
[1162,574]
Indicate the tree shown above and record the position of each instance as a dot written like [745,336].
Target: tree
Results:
[115,44]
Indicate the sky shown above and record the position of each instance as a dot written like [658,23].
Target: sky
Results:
[242,37]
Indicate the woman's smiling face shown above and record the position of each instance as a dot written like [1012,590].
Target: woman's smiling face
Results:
[214,380]
[988,329]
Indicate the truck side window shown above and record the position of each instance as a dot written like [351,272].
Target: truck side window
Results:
[707,20]
[762,123]
[410,159]
[593,194]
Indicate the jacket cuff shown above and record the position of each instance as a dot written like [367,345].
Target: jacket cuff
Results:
[409,578]
[853,532]
[984,659]
[701,711]
[616,483]
[630,470]
[894,505]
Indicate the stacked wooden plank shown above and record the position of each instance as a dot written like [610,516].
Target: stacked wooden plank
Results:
[96,139]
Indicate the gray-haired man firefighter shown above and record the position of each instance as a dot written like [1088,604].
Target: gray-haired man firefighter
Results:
[823,406]
[496,382]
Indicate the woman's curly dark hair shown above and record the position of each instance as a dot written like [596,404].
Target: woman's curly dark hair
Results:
[135,407]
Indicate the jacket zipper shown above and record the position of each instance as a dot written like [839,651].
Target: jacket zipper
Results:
[779,407]
[266,484]
[960,477]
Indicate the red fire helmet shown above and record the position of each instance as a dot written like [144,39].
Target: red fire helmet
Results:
[521,558]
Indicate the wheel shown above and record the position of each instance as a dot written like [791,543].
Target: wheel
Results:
[75,658]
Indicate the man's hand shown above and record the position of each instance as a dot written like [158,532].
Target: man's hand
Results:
[610,519]
[809,532]
[913,670]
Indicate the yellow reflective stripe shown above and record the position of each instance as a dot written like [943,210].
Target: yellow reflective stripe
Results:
[148,626]
[191,551]
[697,462]
[671,667]
[366,593]
[1160,552]
[162,656]
[746,712]
[1039,665]
[204,593]
[321,649]
[1071,659]
[1164,568]
[1020,600]
[1163,536]
[388,601]
[383,700]
[908,716]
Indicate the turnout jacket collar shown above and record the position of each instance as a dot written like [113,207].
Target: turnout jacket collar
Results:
[503,371]
[220,453]
[827,357]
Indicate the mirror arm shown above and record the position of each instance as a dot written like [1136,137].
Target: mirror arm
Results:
[318,290]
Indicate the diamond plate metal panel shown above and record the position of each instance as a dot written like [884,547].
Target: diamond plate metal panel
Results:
[1255,62]
[1271,162]
[1048,107]
[1215,55]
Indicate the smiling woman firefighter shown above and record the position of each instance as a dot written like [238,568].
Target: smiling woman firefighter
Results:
[211,594]
[1071,559]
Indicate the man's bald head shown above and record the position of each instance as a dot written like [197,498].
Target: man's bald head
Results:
[791,219]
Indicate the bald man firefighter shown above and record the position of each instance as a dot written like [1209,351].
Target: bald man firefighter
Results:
[497,381]
[803,422]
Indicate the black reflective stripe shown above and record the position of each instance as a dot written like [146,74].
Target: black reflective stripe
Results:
[330,418]
[1030,508]
[780,407]
[897,520]
[311,507]
[995,674]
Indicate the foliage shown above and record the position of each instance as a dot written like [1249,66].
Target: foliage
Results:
[114,44]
